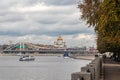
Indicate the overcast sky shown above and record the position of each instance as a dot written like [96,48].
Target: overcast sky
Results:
[42,21]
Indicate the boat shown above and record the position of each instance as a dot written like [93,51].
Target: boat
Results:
[66,55]
[19,54]
[26,58]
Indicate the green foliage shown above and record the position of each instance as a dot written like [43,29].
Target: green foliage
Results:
[90,11]
[104,15]
[109,25]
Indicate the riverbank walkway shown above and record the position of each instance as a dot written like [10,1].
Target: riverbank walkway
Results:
[111,70]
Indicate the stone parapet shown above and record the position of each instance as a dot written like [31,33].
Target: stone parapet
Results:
[81,76]
[91,71]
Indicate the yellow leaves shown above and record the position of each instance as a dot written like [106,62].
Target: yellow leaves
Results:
[90,11]
[105,17]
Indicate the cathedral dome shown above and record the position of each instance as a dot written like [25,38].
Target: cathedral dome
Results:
[59,38]
[59,43]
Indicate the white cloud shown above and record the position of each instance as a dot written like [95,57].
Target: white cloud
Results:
[33,8]
[42,21]
[85,36]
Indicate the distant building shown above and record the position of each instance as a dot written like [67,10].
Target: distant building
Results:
[93,50]
[59,43]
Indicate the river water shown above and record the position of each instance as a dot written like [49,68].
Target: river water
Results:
[43,68]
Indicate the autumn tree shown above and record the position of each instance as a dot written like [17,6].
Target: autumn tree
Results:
[104,16]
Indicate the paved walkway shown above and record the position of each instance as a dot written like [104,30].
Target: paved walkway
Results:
[111,70]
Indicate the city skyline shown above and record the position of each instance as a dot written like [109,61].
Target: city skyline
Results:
[42,21]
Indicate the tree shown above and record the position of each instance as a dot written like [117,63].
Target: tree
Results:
[104,16]
[109,25]
[90,11]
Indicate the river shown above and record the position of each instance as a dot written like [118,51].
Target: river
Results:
[43,68]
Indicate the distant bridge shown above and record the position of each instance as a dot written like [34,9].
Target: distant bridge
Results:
[16,48]
[45,51]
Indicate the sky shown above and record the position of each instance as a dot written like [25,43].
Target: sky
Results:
[42,21]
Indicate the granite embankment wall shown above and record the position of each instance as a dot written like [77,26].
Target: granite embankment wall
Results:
[91,71]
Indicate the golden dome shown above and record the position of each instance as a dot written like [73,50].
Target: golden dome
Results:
[59,38]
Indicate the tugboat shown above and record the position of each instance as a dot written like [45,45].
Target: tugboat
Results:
[26,58]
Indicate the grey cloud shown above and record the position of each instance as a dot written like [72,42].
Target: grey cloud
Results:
[11,33]
[48,24]
[9,16]
[4,4]
[53,2]
[9,3]
[60,2]
[62,19]
[51,31]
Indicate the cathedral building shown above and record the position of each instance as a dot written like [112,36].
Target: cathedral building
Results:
[59,43]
